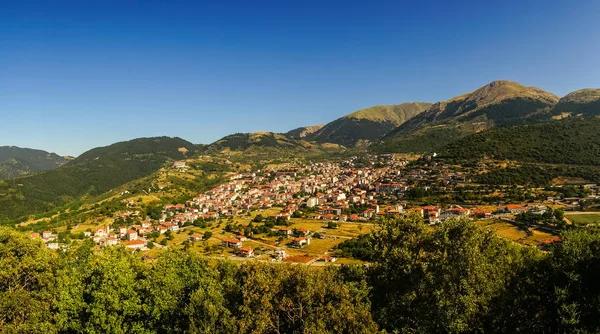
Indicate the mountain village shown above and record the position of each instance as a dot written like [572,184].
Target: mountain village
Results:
[271,201]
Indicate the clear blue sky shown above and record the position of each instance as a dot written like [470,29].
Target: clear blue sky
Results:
[80,74]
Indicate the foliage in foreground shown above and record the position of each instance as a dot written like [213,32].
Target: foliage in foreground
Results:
[454,278]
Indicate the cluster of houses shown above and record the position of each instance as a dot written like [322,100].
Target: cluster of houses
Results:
[332,191]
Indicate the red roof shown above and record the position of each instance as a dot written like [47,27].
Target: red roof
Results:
[133,242]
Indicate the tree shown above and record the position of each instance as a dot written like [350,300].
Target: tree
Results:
[439,281]
[27,283]
[298,299]
[98,296]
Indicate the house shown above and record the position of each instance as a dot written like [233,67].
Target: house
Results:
[285,230]
[34,235]
[280,254]
[241,238]
[300,242]
[132,235]
[196,237]
[303,231]
[135,244]
[171,226]
[47,234]
[312,202]
[515,208]
[102,233]
[122,231]
[327,258]
[231,243]
[161,229]
[480,213]
[245,252]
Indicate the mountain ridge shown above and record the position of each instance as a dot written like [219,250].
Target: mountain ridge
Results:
[95,171]
[17,161]
[368,124]
[499,103]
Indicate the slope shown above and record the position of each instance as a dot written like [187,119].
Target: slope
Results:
[368,124]
[17,161]
[500,103]
[268,144]
[94,172]
[584,102]
[304,131]
[569,141]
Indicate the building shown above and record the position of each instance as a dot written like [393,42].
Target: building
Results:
[515,208]
[135,244]
[300,242]
[246,252]
[231,243]
[312,202]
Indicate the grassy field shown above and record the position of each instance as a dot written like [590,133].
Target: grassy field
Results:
[514,233]
[584,218]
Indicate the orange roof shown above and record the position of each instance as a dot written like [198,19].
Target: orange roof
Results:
[133,242]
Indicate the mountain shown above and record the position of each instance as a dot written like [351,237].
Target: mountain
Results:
[368,124]
[584,102]
[499,103]
[569,141]
[94,172]
[304,131]
[17,161]
[268,143]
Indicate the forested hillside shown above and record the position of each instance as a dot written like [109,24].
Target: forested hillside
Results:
[16,161]
[584,102]
[499,103]
[453,278]
[92,173]
[567,141]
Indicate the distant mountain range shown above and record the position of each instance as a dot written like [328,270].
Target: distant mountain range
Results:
[304,131]
[268,144]
[585,102]
[502,119]
[500,103]
[367,125]
[17,161]
[94,172]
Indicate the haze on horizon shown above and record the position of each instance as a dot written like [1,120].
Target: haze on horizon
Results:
[76,75]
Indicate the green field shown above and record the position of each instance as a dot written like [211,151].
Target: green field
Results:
[584,219]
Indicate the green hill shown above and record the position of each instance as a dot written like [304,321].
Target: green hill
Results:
[268,143]
[368,124]
[92,173]
[17,161]
[304,131]
[500,103]
[584,102]
[570,141]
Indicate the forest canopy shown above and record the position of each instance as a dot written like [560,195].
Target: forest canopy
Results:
[453,278]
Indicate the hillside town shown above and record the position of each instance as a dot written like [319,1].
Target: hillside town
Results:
[351,190]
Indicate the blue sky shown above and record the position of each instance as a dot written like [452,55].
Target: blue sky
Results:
[80,74]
